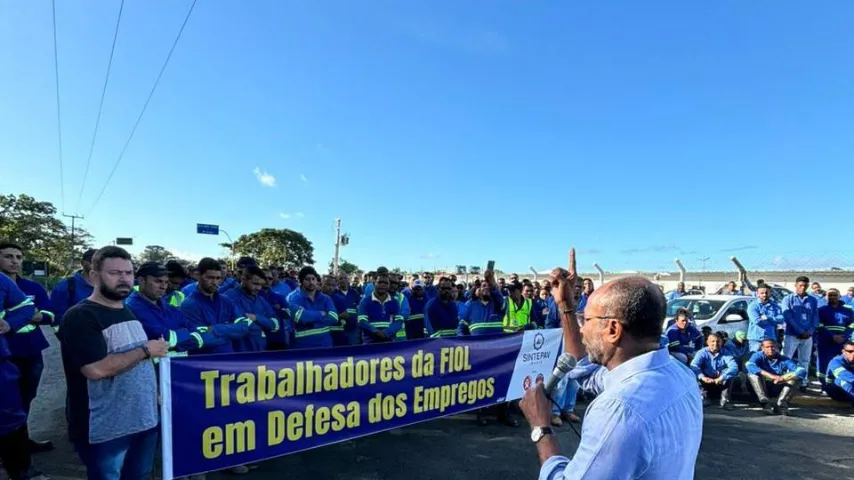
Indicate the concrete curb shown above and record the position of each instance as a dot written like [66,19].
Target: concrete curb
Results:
[811,401]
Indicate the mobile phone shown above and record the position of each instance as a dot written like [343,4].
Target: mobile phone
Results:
[490,265]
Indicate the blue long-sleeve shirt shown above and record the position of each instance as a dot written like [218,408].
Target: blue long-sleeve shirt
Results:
[800,314]
[162,320]
[737,350]
[218,314]
[414,323]
[714,365]
[441,317]
[312,318]
[841,374]
[686,341]
[227,284]
[282,337]
[29,341]
[379,315]
[348,302]
[188,289]
[648,406]
[540,312]
[281,288]
[832,321]
[63,296]
[779,365]
[265,320]
[484,318]
[763,320]
[17,310]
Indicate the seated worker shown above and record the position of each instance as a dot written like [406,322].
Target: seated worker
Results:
[738,347]
[839,380]
[716,371]
[683,338]
[772,373]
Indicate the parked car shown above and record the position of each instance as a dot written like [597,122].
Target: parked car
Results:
[719,312]
[778,293]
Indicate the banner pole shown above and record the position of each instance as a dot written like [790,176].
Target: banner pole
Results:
[166,417]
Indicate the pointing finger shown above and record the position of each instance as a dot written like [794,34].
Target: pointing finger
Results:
[572,270]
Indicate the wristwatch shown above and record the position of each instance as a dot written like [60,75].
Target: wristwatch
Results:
[538,433]
[146,351]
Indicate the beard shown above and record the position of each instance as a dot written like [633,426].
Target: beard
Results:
[594,351]
[114,294]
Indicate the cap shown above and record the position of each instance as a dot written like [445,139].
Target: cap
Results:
[151,269]
[740,335]
[418,283]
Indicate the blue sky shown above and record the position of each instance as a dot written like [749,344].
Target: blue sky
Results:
[448,132]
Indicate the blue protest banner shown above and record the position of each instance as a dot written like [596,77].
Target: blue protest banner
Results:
[220,411]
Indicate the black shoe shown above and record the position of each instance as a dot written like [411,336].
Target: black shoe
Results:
[768,409]
[40,447]
[726,406]
[509,421]
[481,420]
[783,409]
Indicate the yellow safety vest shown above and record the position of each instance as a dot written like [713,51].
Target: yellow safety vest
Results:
[176,298]
[517,317]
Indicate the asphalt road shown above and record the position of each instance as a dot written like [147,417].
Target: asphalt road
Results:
[814,444]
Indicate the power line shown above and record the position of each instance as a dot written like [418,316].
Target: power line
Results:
[100,105]
[58,109]
[144,107]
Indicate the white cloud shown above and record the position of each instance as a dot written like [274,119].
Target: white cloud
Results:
[299,214]
[264,178]
[285,215]
[302,177]
[429,256]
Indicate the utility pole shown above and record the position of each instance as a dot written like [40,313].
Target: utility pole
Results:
[73,218]
[337,245]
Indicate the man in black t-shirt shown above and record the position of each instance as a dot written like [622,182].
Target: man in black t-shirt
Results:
[112,391]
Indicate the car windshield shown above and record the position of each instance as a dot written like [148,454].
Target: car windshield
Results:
[700,308]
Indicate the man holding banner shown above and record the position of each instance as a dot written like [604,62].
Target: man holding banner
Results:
[648,404]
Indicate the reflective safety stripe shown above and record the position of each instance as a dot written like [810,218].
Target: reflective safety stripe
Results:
[380,324]
[275,324]
[298,315]
[27,329]
[444,333]
[23,304]
[673,344]
[173,339]
[838,371]
[401,333]
[352,311]
[199,340]
[839,328]
[332,314]
[247,321]
[203,329]
[362,318]
[476,326]
[314,331]
[398,318]
[47,313]
[339,327]
[417,316]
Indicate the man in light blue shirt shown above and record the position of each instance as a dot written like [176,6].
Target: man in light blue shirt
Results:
[647,421]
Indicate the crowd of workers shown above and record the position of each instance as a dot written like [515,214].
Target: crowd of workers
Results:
[113,318]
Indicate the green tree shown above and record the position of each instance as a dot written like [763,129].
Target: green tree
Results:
[155,253]
[35,226]
[344,266]
[276,246]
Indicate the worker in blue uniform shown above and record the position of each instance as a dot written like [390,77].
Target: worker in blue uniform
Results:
[684,339]
[765,316]
[834,329]
[72,290]
[251,305]
[207,310]
[160,319]
[328,285]
[347,300]
[772,373]
[840,375]
[395,284]
[177,278]
[414,322]
[312,312]
[715,370]
[15,449]
[27,342]
[379,314]
[441,314]
[283,338]
[485,311]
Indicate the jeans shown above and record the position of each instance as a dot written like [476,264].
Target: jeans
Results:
[565,395]
[802,346]
[124,458]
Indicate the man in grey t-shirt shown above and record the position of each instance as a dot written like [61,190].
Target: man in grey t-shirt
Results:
[112,391]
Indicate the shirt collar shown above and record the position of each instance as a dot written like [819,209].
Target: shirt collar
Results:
[388,298]
[648,361]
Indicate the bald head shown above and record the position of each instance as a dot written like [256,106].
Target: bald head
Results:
[636,302]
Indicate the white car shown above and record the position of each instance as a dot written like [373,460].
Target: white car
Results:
[719,312]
